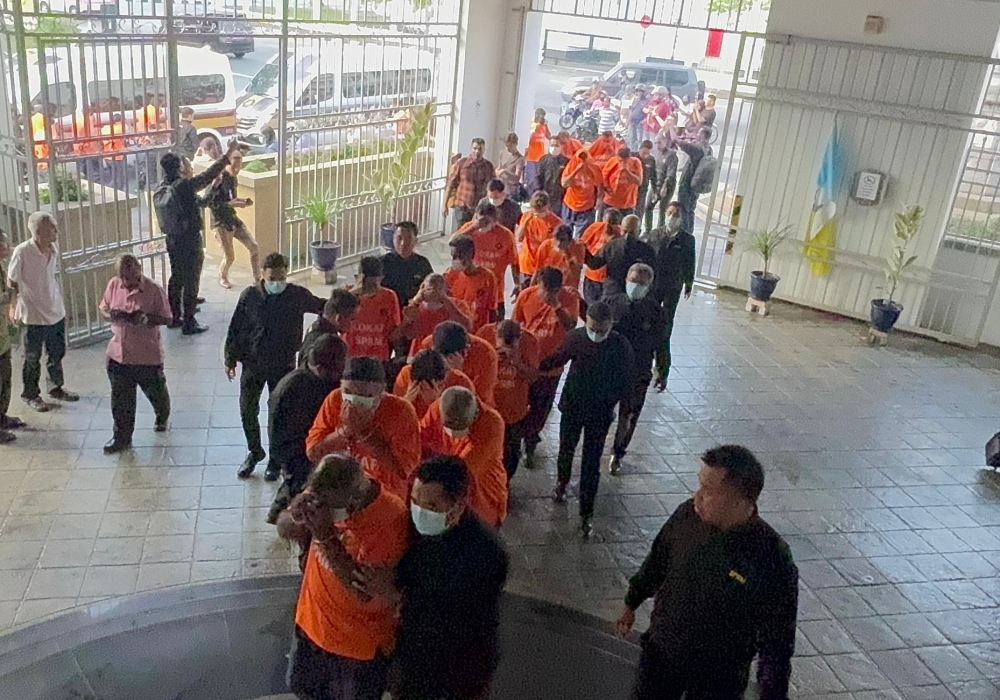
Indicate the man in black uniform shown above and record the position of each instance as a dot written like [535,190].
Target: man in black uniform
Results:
[725,589]
[291,409]
[674,275]
[550,169]
[620,254]
[508,211]
[403,269]
[264,334]
[599,377]
[646,203]
[451,580]
[639,319]
[338,312]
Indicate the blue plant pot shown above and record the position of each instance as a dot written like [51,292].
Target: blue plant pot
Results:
[386,234]
[885,314]
[324,254]
[761,287]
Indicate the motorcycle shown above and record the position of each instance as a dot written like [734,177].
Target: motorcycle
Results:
[572,111]
[586,127]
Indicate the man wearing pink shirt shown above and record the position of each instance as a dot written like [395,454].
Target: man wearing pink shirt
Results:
[136,306]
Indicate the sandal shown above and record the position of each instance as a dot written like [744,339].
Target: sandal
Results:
[224,283]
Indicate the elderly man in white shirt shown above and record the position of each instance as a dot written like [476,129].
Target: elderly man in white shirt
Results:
[38,304]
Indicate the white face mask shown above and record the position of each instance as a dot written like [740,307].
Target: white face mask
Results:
[496,201]
[674,224]
[554,150]
[276,287]
[455,434]
[366,402]
[597,337]
[429,523]
[636,291]
[431,305]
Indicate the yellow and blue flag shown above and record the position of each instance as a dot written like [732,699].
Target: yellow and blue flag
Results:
[822,229]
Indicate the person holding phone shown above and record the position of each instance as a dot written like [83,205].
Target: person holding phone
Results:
[223,201]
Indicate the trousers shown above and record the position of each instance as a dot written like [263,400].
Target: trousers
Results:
[53,338]
[6,380]
[252,383]
[315,674]
[689,200]
[660,677]
[124,381]
[185,273]
[593,423]
[541,396]
[670,302]
[628,416]
[512,436]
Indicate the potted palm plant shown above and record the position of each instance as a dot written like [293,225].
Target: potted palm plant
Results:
[906,224]
[764,243]
[320,211]
[388,181]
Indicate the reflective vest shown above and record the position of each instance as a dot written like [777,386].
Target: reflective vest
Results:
[113,145]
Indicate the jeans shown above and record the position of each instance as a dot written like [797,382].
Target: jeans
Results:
[460,216]
[628,416]
[531,177]
[54,339]
[636,135]
[541,396]
[689,200]
[670,302]
[593,422]
[182,288]
[512,436]
[660,677]
[315,674]
[252,383]
[6,379]
[579,220]
[124,380]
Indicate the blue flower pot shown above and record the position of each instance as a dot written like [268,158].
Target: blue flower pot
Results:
[324,254]
[761,287]
[885,314]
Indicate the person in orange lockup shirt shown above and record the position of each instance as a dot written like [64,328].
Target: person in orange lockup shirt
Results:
[459,425]
[536,225]
[622,177]
[518,352]
[582,179]
[564,253]
[495,249]
[430,306]
[470,283]
[594,238]
[348,525]
[538,146]
[548,311]
[469,354]
[604,148]
[422,380]
[378,317]
[377,428]
[568,145]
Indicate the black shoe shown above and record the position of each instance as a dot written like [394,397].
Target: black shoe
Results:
[160,426]
[559,495]
[63,395]
[12,423]
[272,472]
[249,464]
[37,404]
[175,323]
[7,437]
[114,446]
[199,300]
[273,512]
[193,328]
[587,527]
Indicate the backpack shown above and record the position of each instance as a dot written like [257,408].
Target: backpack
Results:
[704,174]
[170,214]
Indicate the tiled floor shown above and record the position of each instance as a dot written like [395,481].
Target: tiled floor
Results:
[874,476]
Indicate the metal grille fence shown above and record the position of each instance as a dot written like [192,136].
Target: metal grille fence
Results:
[95,89]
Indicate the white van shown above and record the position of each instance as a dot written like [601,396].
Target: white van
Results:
[97,81]
[341,81]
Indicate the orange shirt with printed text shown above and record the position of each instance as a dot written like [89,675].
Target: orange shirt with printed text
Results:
[480,366]
[495,250]
[604,149]
[549,255]
[511,393]
[395,422]
[594,237]
[376,318]
[622,193]
[482,451]
[534,230]
[541,320]
[477,289]
[428,319]
[581,192]
[452,377]
[329,613]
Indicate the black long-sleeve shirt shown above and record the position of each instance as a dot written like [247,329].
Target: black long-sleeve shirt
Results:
[185,199]
[600,374]
[292,407]
[641,323]
[508,212]
[219,198]
[265,331]
[674,268]
[451,585]
[619,254]
[720,598]
[404,275]
[550,169]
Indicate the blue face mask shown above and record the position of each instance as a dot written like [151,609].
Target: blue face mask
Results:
[429,523]
[276,287]
[636,291]
[597,337]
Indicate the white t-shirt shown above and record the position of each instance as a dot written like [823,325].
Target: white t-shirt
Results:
[39,291]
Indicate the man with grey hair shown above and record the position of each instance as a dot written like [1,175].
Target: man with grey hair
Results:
[38,304]
[459,425]
[639,319]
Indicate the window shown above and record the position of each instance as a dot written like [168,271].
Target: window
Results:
[202,90]
[649,76]
[320,89]
[61,99]
[676,78]
[118,95]
[391,82]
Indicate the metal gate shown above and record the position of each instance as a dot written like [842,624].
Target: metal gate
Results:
[96,87]
[927,123]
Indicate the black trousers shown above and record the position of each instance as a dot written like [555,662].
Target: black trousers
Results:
[124,381]
[541,396]
[628,416]
[6,380]
[661,205]
[670,302]
[512,436]
[593,423]
[53,338]
[592,291]
[660,677]
[689,200]
[295,473]
[315,674]
[185,274]
[252,383]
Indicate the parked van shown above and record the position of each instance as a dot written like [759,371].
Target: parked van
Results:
[99,81]
[342,81]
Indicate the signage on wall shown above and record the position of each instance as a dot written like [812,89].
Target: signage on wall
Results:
[869,187]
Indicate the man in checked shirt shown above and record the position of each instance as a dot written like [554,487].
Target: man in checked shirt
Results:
[467,185]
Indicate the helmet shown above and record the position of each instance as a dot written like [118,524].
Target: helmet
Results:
[639,87]
[662,90]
